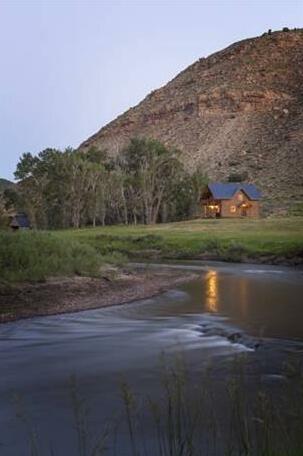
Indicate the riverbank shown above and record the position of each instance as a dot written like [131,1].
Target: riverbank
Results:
[72,294]
[70,270]
[263,241]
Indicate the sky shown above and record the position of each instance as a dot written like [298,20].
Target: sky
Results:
[70,66]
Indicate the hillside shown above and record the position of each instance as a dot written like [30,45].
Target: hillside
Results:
[5,184]
[237,113]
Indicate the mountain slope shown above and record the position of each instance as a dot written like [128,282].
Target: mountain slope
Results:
[6,184]
[237,113]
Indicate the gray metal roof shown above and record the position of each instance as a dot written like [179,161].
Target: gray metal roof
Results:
[20,220]
[226,191]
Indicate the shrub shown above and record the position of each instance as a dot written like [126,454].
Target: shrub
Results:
[238,177]
[212,245]
[35,256]
[235,251]
[297,209]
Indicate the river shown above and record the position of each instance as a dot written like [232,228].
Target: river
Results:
[230,309]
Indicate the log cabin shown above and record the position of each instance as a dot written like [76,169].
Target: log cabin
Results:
[230,200]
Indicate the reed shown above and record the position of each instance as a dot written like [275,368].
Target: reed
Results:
[189,419]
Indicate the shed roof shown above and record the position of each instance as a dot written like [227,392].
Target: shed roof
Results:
[20,220]
[227,190]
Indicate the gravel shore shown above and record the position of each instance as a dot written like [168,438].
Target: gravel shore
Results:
[73,294]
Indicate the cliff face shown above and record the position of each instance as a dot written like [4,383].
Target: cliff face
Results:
[239,111]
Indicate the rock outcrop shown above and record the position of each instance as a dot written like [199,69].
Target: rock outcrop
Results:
[238,112]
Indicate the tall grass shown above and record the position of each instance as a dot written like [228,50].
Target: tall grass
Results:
[34,256]
[199,419]
[189,419]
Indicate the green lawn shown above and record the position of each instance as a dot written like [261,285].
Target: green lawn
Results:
[229,239]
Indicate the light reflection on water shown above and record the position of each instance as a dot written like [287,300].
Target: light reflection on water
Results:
[212,298]
[212,292]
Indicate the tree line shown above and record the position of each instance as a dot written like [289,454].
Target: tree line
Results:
[146,183]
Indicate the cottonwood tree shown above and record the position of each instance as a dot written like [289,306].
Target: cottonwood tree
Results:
[150,167]
[4,211]
[32,183]
[147,183]
[79,184]
[98,185]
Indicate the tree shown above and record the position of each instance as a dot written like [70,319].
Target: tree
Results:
[41,183]
[31,185]
[4,212]
[150,167]
[146,183]
[199,181]
[98,177]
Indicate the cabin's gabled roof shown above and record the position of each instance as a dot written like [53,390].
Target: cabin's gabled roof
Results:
[21,221]
[227,191]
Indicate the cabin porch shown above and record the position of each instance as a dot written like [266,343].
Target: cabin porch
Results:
[211,208]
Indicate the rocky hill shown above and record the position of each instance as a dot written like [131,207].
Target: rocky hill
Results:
[238,113]
[6,184]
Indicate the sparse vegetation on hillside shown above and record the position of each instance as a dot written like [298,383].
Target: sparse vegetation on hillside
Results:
[238,112]
[5,184]
[296,209]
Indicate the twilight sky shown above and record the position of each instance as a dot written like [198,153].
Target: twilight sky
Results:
[70,66]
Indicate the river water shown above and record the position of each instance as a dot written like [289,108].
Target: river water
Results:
[228,310]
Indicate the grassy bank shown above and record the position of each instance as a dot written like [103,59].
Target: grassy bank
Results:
[270,240]
[34,256]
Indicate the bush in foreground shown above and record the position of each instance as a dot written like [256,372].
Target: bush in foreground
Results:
[34,256]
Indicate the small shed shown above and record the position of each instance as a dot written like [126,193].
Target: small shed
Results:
[231,200]
[20,221]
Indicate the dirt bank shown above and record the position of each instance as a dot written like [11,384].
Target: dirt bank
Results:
[63,295]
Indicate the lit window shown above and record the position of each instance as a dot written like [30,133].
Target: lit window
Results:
[233,209]
[240,197]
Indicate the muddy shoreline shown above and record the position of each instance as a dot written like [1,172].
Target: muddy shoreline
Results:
[115,287]
[270,260]
[295,261]
[74,294]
